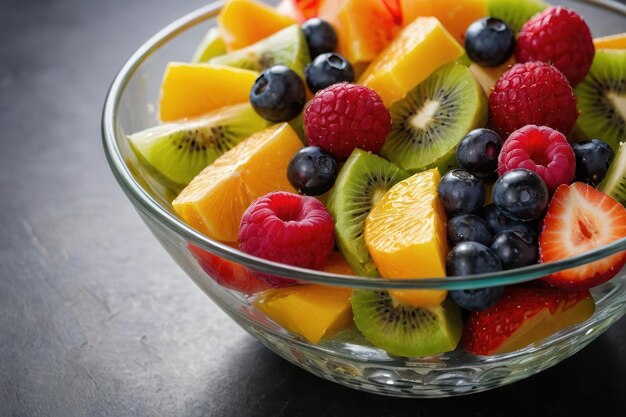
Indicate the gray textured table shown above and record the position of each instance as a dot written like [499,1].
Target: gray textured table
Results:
[96,319]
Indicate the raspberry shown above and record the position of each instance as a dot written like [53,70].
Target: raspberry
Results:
[561,37]
[533,93]
[542,150]
[344,117]
[287,228]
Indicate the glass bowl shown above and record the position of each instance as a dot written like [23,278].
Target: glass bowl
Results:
[130,107]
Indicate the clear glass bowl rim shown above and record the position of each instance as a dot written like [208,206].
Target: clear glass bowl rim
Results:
[144,202]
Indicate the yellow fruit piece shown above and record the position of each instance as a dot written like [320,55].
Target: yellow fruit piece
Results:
[405,234]
[212,45]
[312,311]
[611,42]
[417,52]
[487,77]
[191,90]
[455,15]
[364,27]
[546,323]
[244,22]
[215,200]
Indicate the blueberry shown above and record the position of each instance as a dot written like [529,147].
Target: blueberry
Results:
[478,152]
[478,299]
[498,222]
[320,36]
[521,195]
[312,171]
[469,258]
[278,94]
[489,42]
[593,159]
[468,228]
[326,70]
[461,192]
[515,249]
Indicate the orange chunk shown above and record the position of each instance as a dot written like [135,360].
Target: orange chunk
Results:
[405,234]
[215,200]
[244,22]
[611,42]
[191,90]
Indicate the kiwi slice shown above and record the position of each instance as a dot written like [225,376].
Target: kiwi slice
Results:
[176,152]
[404,330]
[602,98]
[212,45]
[430,121]
[614,183]
[286,47]
[515,12]
[361,183]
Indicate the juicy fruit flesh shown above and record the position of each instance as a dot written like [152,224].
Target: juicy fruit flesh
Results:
[614,183]
[191,90]
[211,46]
[455,15]
[360,185]
[433,118]
[405,234]
[215,200]
[244,22]
[611,42]
[487,77]
[522,317]
[414,54]
[403,330]
[178,151]
[312,311]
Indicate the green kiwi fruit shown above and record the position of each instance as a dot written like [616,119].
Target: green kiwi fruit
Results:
[361,183]
[286,47]
[614,183]
[602,98]
[404,330]
[212,45]
[431,120]
[176,152]
[515,12]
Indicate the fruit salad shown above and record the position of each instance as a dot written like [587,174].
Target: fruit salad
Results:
[403,140]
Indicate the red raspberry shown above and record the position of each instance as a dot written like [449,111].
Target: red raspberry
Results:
[562,38]
[346,116]
[533,93]
[542,150]
[287,228]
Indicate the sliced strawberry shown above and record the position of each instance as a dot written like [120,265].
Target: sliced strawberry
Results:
[581,218]
[228,274]
[524,316]
[300,10]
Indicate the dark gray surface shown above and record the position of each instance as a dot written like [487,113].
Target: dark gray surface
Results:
[96,319]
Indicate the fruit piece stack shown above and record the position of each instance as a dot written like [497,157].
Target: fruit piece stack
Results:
[421,140]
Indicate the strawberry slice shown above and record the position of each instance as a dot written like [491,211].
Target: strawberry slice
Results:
[300,10]
[524,316]
[581,218]
[228,274]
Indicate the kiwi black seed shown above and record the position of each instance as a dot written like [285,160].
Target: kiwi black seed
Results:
[404,330]
[361,183]
[614,183]
[515,12]
[602,99]
[431,120]
[286,47]
[176,152]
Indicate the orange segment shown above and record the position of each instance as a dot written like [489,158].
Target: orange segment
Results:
[611,42]
[417,52]
[337,264]
[364,27]
[215,200]
[312,311]
[244,22]
[405,234]
[191,90]
[455,15]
